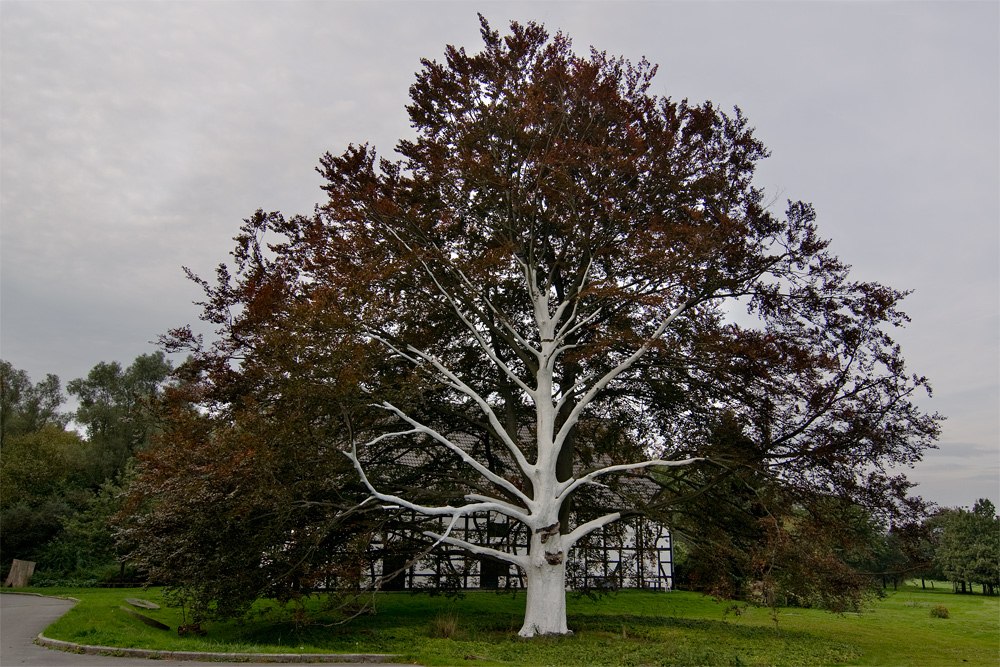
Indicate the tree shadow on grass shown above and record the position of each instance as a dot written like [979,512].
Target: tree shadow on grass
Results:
[598,639]
[612,623]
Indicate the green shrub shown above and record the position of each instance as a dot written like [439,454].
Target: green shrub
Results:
[939,611]
[445,626]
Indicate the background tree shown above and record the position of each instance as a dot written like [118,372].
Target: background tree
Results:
[748,539]
[26,407]
[58,490]
[968,550]
[115,410]
[538,296]
[40,488]
[85,550]
[910,551]
[37,460]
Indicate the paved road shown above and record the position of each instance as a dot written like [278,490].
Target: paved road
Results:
[22,617]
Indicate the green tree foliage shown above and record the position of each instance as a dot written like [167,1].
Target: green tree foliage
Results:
[115,409]
[40,464]
[40,487]
[909,553]
[537,295]
[241,497]
[85,549]
[746,538]
[58,490]
[26,407]
[968,550]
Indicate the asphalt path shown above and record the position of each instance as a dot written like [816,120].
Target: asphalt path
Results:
[22,617]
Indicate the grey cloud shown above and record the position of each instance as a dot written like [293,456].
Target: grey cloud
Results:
[136,136]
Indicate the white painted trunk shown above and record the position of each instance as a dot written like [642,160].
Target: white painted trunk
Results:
[545,563]
[545,612]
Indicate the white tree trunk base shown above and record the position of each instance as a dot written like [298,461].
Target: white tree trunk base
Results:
[545,611]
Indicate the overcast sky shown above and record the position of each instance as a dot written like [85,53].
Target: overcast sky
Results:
[136,136]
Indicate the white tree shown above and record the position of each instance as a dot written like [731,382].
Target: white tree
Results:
[555,323]
[549,266]
[580,238]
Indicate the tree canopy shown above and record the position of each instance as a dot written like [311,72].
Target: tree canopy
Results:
[241,498]
[567,303]
[968,548]
[25,406]
[58,489]
[116,409]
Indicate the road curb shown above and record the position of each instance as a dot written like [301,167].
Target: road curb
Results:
[199,656]
[71,647]
[40,595]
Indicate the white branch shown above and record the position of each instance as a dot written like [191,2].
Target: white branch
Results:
[520,561]
[510,509]
[568,393]
[451,524]
[394,434]
[466,458]
[448,510]
[570,485]
[574,416]
[576,302]
[528,274]
[487,409]
[584,529]
[563,333]
[456,383]
[483,344]
[500,316]
[465,320]
[375,336]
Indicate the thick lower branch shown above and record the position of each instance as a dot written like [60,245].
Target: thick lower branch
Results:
[466,458]
[585,529]
[501,507]
[520,561]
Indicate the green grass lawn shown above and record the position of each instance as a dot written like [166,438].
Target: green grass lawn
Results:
[630,628]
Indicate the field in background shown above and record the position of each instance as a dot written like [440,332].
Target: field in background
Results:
[630,628]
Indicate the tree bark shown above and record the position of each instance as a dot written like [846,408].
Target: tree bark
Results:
[20,574]
[545,611]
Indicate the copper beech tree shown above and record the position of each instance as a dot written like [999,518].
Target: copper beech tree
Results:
[563,284]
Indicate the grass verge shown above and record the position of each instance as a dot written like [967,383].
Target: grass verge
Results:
[630,628]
